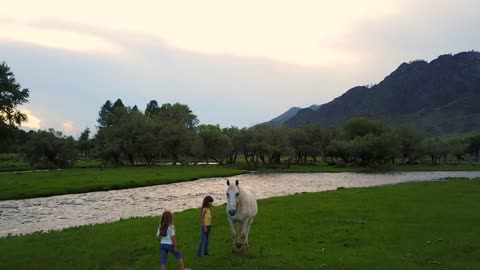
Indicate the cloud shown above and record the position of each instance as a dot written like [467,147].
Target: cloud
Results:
[286,31]
[68,127]
[239,66]
[220,89]
[32,121]
[420,30]
[59,39]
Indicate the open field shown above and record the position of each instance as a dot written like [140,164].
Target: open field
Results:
[87,176]
[428,225]
[15,162]
[47,183]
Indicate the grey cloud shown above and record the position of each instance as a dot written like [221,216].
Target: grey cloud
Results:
[227,89]
[422,30]
[220,89]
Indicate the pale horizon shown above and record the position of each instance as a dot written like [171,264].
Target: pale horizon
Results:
[232,63]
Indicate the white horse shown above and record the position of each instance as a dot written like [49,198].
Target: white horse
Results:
[241,209]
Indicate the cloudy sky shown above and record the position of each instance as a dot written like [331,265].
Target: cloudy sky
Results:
[233,62]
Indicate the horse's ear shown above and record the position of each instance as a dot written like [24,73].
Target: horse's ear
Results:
[228,183]
[236,182]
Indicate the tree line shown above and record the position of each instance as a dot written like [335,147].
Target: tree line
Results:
[172,133]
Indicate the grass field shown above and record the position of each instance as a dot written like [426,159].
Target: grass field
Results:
[87,177]
[429,225]
[13,162]
[46,183]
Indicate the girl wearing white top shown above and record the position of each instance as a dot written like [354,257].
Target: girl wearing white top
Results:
[166,236]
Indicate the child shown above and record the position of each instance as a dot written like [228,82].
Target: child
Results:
[206,222]
[168,243]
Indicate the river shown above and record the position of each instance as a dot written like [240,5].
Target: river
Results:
[59,212]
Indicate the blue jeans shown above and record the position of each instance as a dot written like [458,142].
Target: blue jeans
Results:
[204,241]
[164,249]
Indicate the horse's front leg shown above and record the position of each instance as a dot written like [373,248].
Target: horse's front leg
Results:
[249,224]
[233,233]
[244,234]
[238,228]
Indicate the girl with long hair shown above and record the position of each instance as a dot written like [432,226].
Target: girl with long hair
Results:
[168,242]
[206,224]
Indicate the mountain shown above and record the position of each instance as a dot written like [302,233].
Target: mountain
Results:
[281,119]
[314,107]
[439,97]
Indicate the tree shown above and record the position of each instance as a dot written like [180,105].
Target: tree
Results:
[435,148]
[474,146]
[176,141]
[298,139]
[410,141]
[119,111]
[198,149]
[118,104]
[14,142]
[178,113]
[11,95]
[243,142]
[84,142]
[342,149]
[457,147]
[359,127]
[152,108]
[110,138]
[217,145]
[109,145]
[327,136]
[148,144]
[231,132]
[375,149]
[135,108]
[104,115]
[50,149]
[269,145]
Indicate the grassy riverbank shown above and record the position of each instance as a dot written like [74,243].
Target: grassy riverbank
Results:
[39,184]
[22,185]
[429,225]
[15,162]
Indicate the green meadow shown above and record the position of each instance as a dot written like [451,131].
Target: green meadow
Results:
[21,185]
[88,177]
[426,225]
[322,166]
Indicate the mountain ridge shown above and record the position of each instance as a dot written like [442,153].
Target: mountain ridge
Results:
[439,97]
[282,118]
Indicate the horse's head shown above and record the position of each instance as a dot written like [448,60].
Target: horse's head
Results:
[232,197]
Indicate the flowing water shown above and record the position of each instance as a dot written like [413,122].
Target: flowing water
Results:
[58,212]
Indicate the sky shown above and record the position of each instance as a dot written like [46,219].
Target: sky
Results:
[232,62]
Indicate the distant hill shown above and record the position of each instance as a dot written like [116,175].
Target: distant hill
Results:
[439,97]
[281,119]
